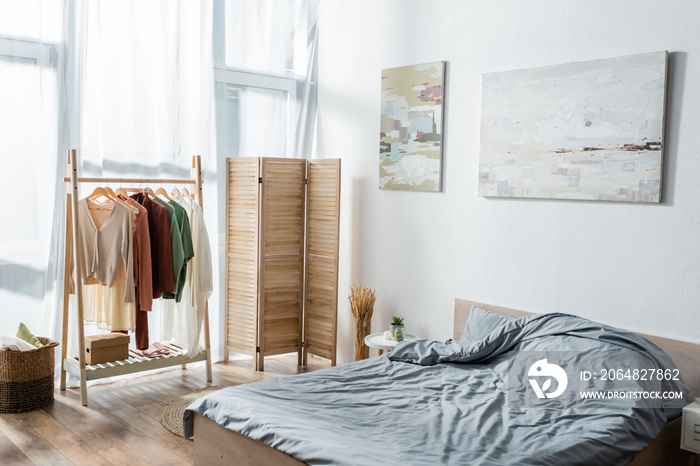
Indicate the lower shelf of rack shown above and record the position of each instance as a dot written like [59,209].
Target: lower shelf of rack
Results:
[134,363]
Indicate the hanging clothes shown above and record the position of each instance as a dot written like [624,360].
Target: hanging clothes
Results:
[143,273]
[178,255]
[161,245]
[105,244]
[182,321]
[118,242]
[185,233]
[161,261]
[104,306]
[106,241]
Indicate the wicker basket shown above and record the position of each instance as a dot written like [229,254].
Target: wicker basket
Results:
[26,378]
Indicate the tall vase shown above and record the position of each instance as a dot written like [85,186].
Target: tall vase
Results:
[362,329]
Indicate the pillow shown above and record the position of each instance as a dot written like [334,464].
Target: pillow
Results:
[480,323]
[25,334]
[7,341]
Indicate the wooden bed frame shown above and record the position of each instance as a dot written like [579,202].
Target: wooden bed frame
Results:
[217,445]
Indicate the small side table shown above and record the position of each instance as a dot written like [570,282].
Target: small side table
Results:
[691,423]
[376,340]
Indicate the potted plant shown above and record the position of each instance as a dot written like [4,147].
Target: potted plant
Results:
[396,328]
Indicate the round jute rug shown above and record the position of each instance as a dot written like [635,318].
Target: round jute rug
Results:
[171,418]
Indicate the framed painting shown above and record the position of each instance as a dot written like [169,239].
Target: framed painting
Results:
[590,130]
[410,142]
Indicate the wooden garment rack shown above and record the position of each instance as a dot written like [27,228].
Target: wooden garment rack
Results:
[134,363]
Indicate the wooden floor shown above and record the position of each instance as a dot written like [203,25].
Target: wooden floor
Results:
[121,424]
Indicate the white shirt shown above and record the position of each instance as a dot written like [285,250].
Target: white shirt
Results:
[182,322]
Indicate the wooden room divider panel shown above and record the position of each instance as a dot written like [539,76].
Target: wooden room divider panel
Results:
[282,257]
[242,229]
[322,231]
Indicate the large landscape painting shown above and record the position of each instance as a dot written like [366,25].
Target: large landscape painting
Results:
[410,147]
[589,130]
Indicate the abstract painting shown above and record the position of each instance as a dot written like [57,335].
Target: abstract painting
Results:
[410,147]
[589,130]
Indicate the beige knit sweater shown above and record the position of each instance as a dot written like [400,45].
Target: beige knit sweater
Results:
[105,243]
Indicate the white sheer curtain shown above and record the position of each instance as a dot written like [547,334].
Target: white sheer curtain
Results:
[268,85]
[145,97]
[138,88]
[265,87]
[31,141]
[146,87]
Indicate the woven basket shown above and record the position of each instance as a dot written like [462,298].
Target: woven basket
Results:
[26,378]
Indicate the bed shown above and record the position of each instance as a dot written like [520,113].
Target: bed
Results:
[410,410]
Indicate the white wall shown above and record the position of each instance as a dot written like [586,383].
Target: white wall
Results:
[630,265]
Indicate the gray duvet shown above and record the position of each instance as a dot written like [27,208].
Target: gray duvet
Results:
[432,403]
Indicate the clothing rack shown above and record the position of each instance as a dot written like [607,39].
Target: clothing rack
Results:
[134,363]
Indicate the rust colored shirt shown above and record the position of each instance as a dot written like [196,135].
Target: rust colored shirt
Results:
[143,271]
[161,245]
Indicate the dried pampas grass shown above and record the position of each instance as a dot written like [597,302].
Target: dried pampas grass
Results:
[362,306]
[362,302]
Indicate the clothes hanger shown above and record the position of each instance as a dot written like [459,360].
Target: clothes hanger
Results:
[140,190]
[105,192]
[120,191]
[147,190]
[162,192]
[190,197]
[98,193]
[112,194]
[132,189]
[184,193]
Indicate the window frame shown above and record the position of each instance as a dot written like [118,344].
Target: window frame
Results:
[248,79]
[42,55]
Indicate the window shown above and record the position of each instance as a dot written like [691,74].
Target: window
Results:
[29,119]
[257,115]
[261,73]
[29,150]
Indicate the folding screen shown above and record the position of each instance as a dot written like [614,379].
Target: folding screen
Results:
[282,257]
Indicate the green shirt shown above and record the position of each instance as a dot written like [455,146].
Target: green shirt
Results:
[184,235]
[187,247]
[178,251]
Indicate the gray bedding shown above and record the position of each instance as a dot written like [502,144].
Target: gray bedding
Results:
[451,403]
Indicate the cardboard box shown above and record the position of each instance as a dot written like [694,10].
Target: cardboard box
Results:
[106,348]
